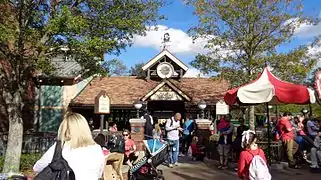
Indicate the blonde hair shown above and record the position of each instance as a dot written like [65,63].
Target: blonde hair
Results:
[74,131]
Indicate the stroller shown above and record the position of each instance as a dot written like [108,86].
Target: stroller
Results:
[145,168]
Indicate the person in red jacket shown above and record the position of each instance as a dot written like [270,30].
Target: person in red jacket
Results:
[246,156]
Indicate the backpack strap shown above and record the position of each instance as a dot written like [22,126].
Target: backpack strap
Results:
[258,152]
[58,151]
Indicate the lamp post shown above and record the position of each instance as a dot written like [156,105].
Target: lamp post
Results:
[138,104]
[202,106]
[304,112]
[268,131]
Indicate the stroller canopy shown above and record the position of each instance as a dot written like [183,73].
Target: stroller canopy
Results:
[154,146]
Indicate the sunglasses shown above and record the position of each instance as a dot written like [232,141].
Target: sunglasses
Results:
[125,135]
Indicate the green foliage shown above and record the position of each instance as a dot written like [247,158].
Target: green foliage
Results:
[243,37]
[310,81]
[115,67]
[27,161]
[137,70]
[33,32]
[1,162]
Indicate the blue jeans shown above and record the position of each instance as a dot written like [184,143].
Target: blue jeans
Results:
[173,151]
[300,141]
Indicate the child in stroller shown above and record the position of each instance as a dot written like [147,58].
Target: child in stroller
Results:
[145,169]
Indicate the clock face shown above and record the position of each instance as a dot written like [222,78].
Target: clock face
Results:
[165,70]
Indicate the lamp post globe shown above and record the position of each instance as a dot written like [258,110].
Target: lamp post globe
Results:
[138,104]
[202,105]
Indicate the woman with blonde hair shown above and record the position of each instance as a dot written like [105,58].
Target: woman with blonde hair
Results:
[83,155]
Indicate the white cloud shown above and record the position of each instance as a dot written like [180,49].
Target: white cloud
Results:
[305,29]
[180,41]
[192,72]
[316,52]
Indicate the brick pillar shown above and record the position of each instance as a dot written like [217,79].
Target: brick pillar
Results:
[137,132]
[203,126]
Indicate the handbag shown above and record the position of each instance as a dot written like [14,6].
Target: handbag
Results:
[58,169]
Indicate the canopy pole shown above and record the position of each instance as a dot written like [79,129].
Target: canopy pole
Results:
[310,109]
[268,133]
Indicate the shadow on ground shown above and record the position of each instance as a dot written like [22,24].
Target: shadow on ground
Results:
[191,170]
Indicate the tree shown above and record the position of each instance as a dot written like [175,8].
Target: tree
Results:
[34,31]
[243,36]
[115,67]
[137,70]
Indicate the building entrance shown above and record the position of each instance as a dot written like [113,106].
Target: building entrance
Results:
[165,109]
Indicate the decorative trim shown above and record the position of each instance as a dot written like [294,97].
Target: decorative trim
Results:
[137,121]
[153,91]
[162,54]
[203,121]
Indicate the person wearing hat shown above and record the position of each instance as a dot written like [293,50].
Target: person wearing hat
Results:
[316,152]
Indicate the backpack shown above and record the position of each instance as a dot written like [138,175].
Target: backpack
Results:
[172,121]
[258,169]
[116,143]
[58,169]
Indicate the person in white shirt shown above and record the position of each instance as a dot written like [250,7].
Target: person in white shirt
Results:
[83,155]
[172,128]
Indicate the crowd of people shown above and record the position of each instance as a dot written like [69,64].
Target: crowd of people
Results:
[183,138]
[300,136]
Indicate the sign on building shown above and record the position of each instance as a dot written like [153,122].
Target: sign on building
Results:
[102,103]
[222,108]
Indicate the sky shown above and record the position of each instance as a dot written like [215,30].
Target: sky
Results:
[179,18]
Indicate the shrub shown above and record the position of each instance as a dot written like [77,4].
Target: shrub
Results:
[1,163]
[26,162]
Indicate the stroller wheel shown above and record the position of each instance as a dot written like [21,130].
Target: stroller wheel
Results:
[160,178]
[160,172]
[131,176]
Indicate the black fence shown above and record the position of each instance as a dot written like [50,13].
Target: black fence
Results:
[32,143]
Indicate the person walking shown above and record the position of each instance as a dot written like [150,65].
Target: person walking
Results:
[173,128]
[189,128]
[252,162]
[287,137]
[225,127]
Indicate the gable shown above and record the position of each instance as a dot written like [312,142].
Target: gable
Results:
[160,56]
[166,91]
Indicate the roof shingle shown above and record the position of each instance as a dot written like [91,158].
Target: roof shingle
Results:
[125,90]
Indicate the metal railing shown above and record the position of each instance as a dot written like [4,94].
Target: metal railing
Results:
[32,142]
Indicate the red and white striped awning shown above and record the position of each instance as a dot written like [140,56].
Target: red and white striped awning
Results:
[267,88]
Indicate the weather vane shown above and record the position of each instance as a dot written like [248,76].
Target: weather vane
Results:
[166,40]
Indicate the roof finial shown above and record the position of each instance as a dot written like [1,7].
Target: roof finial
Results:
[166,40]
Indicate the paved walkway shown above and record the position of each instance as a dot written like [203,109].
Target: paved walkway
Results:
[191,170]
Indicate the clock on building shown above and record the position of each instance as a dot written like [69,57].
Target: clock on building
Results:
[165,70]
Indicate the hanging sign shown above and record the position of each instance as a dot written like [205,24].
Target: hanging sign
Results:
[317,83]
[102,103]
[222,108]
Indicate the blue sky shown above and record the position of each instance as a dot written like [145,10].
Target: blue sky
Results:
[180,18]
